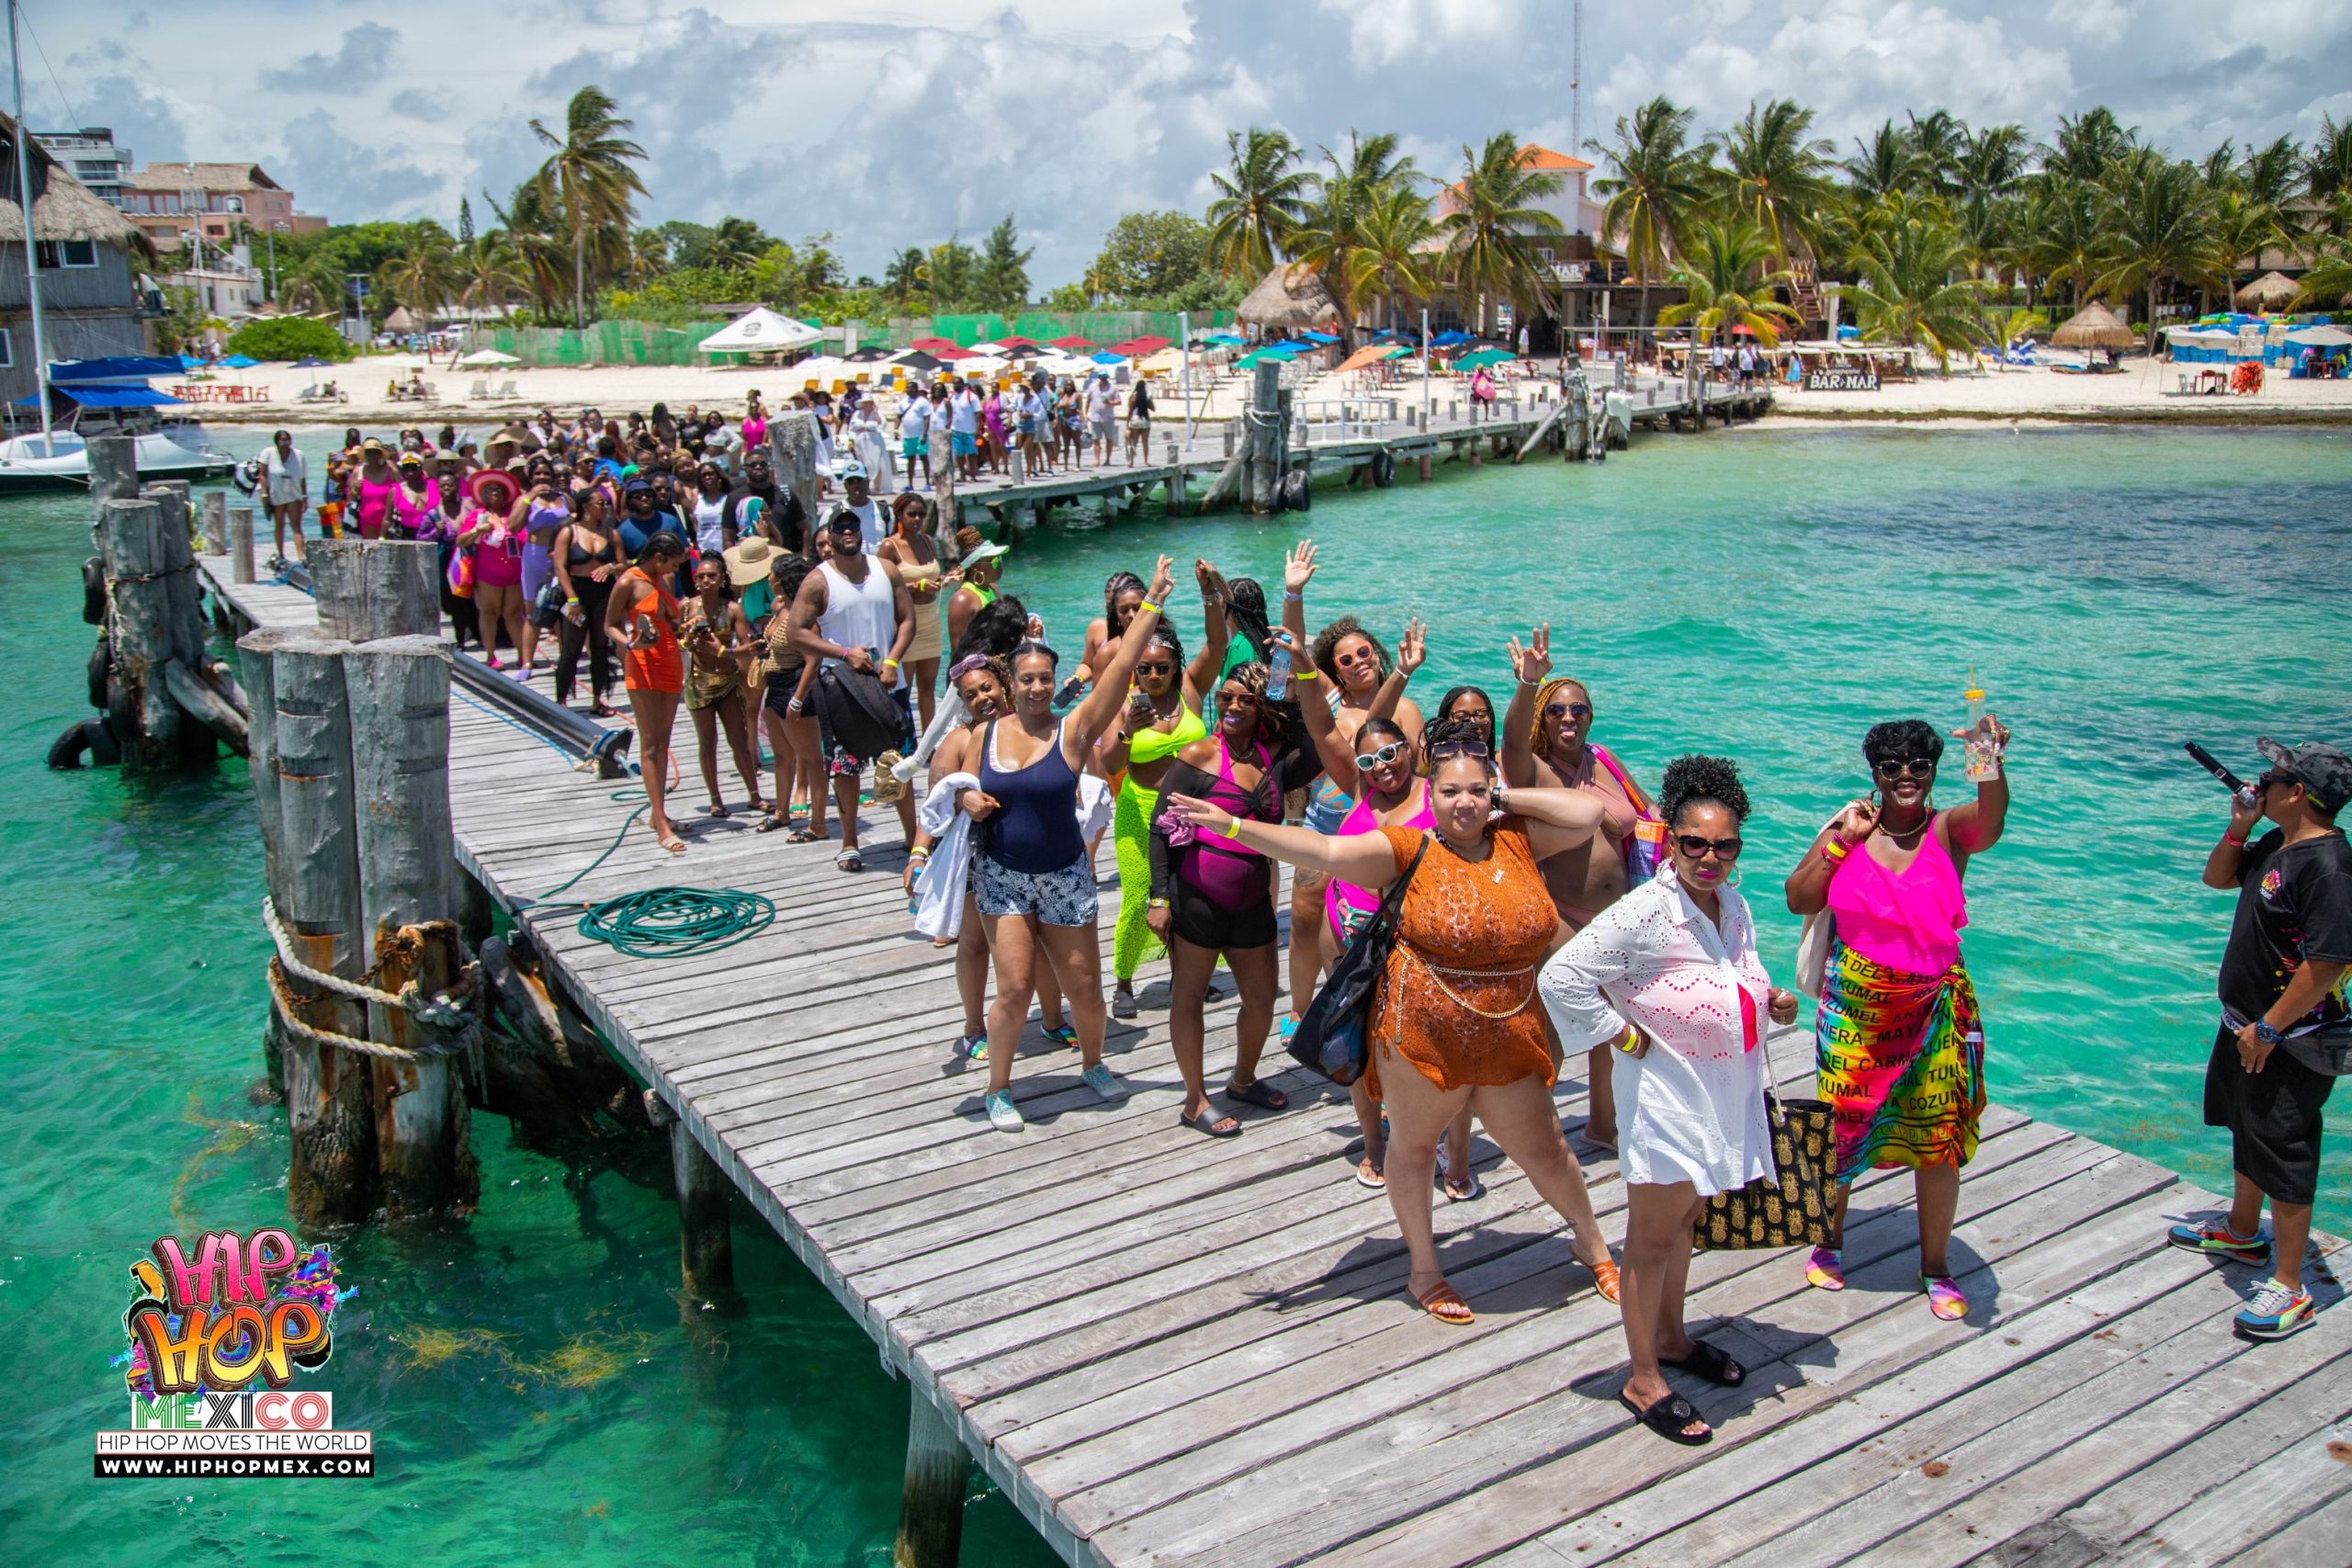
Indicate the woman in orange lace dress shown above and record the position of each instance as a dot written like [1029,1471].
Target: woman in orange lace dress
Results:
[1455,1022]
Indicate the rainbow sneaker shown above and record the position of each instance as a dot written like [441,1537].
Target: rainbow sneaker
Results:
[2220,1241]
[1825,1269]
[2275,1311]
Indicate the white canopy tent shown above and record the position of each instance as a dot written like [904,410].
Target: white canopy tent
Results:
[759,332]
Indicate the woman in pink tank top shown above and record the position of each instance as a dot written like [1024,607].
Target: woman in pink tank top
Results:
[1899,1046]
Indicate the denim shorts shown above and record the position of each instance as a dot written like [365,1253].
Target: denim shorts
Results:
[1064,897]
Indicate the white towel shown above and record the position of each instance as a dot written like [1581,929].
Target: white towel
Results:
[939,892]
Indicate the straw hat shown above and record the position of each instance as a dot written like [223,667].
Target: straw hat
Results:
[748,560]
[492,490]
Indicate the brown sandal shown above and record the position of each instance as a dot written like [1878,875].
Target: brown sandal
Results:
[1444,1304]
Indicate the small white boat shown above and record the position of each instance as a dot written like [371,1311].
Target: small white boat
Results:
[65,464]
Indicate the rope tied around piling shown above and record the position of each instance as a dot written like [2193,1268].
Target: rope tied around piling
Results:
[454,1016]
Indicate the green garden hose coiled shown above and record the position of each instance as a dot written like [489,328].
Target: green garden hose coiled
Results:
[672,922]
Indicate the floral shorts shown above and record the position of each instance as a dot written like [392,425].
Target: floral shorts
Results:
[1064,897]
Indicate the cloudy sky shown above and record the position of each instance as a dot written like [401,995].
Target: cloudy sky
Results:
[892,124]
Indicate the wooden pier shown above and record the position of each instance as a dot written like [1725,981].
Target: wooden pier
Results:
[1169,1350]
[1372,437]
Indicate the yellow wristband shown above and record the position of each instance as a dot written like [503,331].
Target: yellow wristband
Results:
[1309,673]
[1148,604]
[1233,827]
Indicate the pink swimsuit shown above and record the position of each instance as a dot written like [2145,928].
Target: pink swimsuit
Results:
[1908,921]
[375,505]
[498,555]
[1347,905]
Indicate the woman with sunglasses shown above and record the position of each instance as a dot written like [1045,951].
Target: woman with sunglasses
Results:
[1212,900]
[1030,870]
[1899,1043]
[715,630]
[641,618]
[910,546]
[1668,980]
[1358,679]
[1547,739]
[1453,1022]
[1162,715]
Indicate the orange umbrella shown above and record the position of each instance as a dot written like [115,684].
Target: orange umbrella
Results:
[1370,354]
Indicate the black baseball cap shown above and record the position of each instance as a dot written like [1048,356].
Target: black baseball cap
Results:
[2323,771]
[637,484]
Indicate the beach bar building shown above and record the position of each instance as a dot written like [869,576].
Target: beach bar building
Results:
[86,251]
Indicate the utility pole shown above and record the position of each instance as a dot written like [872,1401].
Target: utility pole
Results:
[32,258]
[1576,80]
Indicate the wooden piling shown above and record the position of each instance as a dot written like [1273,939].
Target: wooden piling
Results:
[331,1179]
[376,588]
[139,625]
[1265,438]
[240,543]
[114,467]
[931,1504]
[398,689]
[216,522]
[706,1246]
[792,449]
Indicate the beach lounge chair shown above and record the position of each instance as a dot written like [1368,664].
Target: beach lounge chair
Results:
[308,394]
[507,390]
[479,390]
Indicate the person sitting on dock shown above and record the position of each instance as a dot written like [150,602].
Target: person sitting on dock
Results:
[853,613]
[2286,1029]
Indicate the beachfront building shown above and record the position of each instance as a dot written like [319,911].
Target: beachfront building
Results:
[87,255]
[101,167]
[213,204]
[1584,282]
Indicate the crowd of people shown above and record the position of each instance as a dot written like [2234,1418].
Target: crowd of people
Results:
[1552,911]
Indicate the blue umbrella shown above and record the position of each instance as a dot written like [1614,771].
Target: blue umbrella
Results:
[189,362]
[309,361]
[1224,340]
[1317,337]
[1107,357]
[1448,339]
[240,362]
[1846,332]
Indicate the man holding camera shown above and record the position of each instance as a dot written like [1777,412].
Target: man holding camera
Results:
[2286,1032]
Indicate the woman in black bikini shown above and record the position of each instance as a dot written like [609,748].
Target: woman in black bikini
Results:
[587,559]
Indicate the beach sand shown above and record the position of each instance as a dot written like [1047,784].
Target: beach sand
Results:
[2145,391]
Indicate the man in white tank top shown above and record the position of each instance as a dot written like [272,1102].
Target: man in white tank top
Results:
[853,611]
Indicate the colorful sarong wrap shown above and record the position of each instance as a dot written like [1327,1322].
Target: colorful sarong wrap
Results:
[1901,1061]
[1132,943]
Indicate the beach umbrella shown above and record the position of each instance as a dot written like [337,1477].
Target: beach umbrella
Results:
[1315,337]
[1135,345]
[309,361]
[757,332]
[916,359]
[874,354]
[1107,357]
[1017,341]
[2093,326]
[488,356]
[1224,340]
[934,344]
[1073,343]
[2320,337]
[240,362]
[1483,357]
[948,351]
[2271,291]
[1371,354]
[1449,339]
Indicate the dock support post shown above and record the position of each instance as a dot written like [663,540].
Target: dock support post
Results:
[216,522]
[931,1505]
[1265,436]
[240,543]
[376,588]
[706,1248]
[331,1176]
[138,628]
[792,445]
[1422,462]
[114,467]
[399,696]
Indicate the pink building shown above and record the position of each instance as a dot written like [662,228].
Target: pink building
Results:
[218,200]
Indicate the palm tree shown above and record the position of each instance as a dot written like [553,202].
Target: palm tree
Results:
[2063,239]
[2088,144]
[1262,197]
[1654,185]
[1728,277]
[736,244]
[2327,167]
[587,176]
[2219,168]
[428,275]
[1942,142]
[902,279]
[1778,173]
[1887,162]
[2158,221]
[649,256]
[2270,173]
[541,253]
[492,275]
[317,286]
[1387,263]
[1494,211]
[2328,284]
[2242,228]
[1911,288]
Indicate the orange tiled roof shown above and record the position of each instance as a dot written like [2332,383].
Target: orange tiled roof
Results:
[1536,157]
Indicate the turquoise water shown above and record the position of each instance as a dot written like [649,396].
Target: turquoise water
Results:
[534,1387]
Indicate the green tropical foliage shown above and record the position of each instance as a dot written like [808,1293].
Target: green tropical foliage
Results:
[1911,286]
[1495,206]
[588,178]
[1655,186]
[1261,198]
[288,337]
[1728,278]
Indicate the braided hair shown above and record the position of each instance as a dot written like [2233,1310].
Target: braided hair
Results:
[1252,677]
[1120,583]
[1245,612]
[1539,737]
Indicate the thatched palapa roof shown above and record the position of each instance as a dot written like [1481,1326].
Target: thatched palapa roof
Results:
[2269,291]
[64,207]
[1289,296]
[2094,326]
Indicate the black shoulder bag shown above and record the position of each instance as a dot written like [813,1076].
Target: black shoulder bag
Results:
[1331,1036]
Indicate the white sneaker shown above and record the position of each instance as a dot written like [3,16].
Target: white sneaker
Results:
[1003,1115]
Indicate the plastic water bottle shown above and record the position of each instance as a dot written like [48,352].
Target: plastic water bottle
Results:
[1984,750]
[1278,673]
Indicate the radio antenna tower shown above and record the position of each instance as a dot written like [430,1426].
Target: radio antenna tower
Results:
[1576,81]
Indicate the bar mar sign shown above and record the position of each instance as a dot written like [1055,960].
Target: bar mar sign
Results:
[1841,378]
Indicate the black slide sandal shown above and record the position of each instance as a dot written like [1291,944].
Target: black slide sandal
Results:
[1667,1417]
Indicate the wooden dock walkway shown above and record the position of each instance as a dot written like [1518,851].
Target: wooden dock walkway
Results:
[1168,1351]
